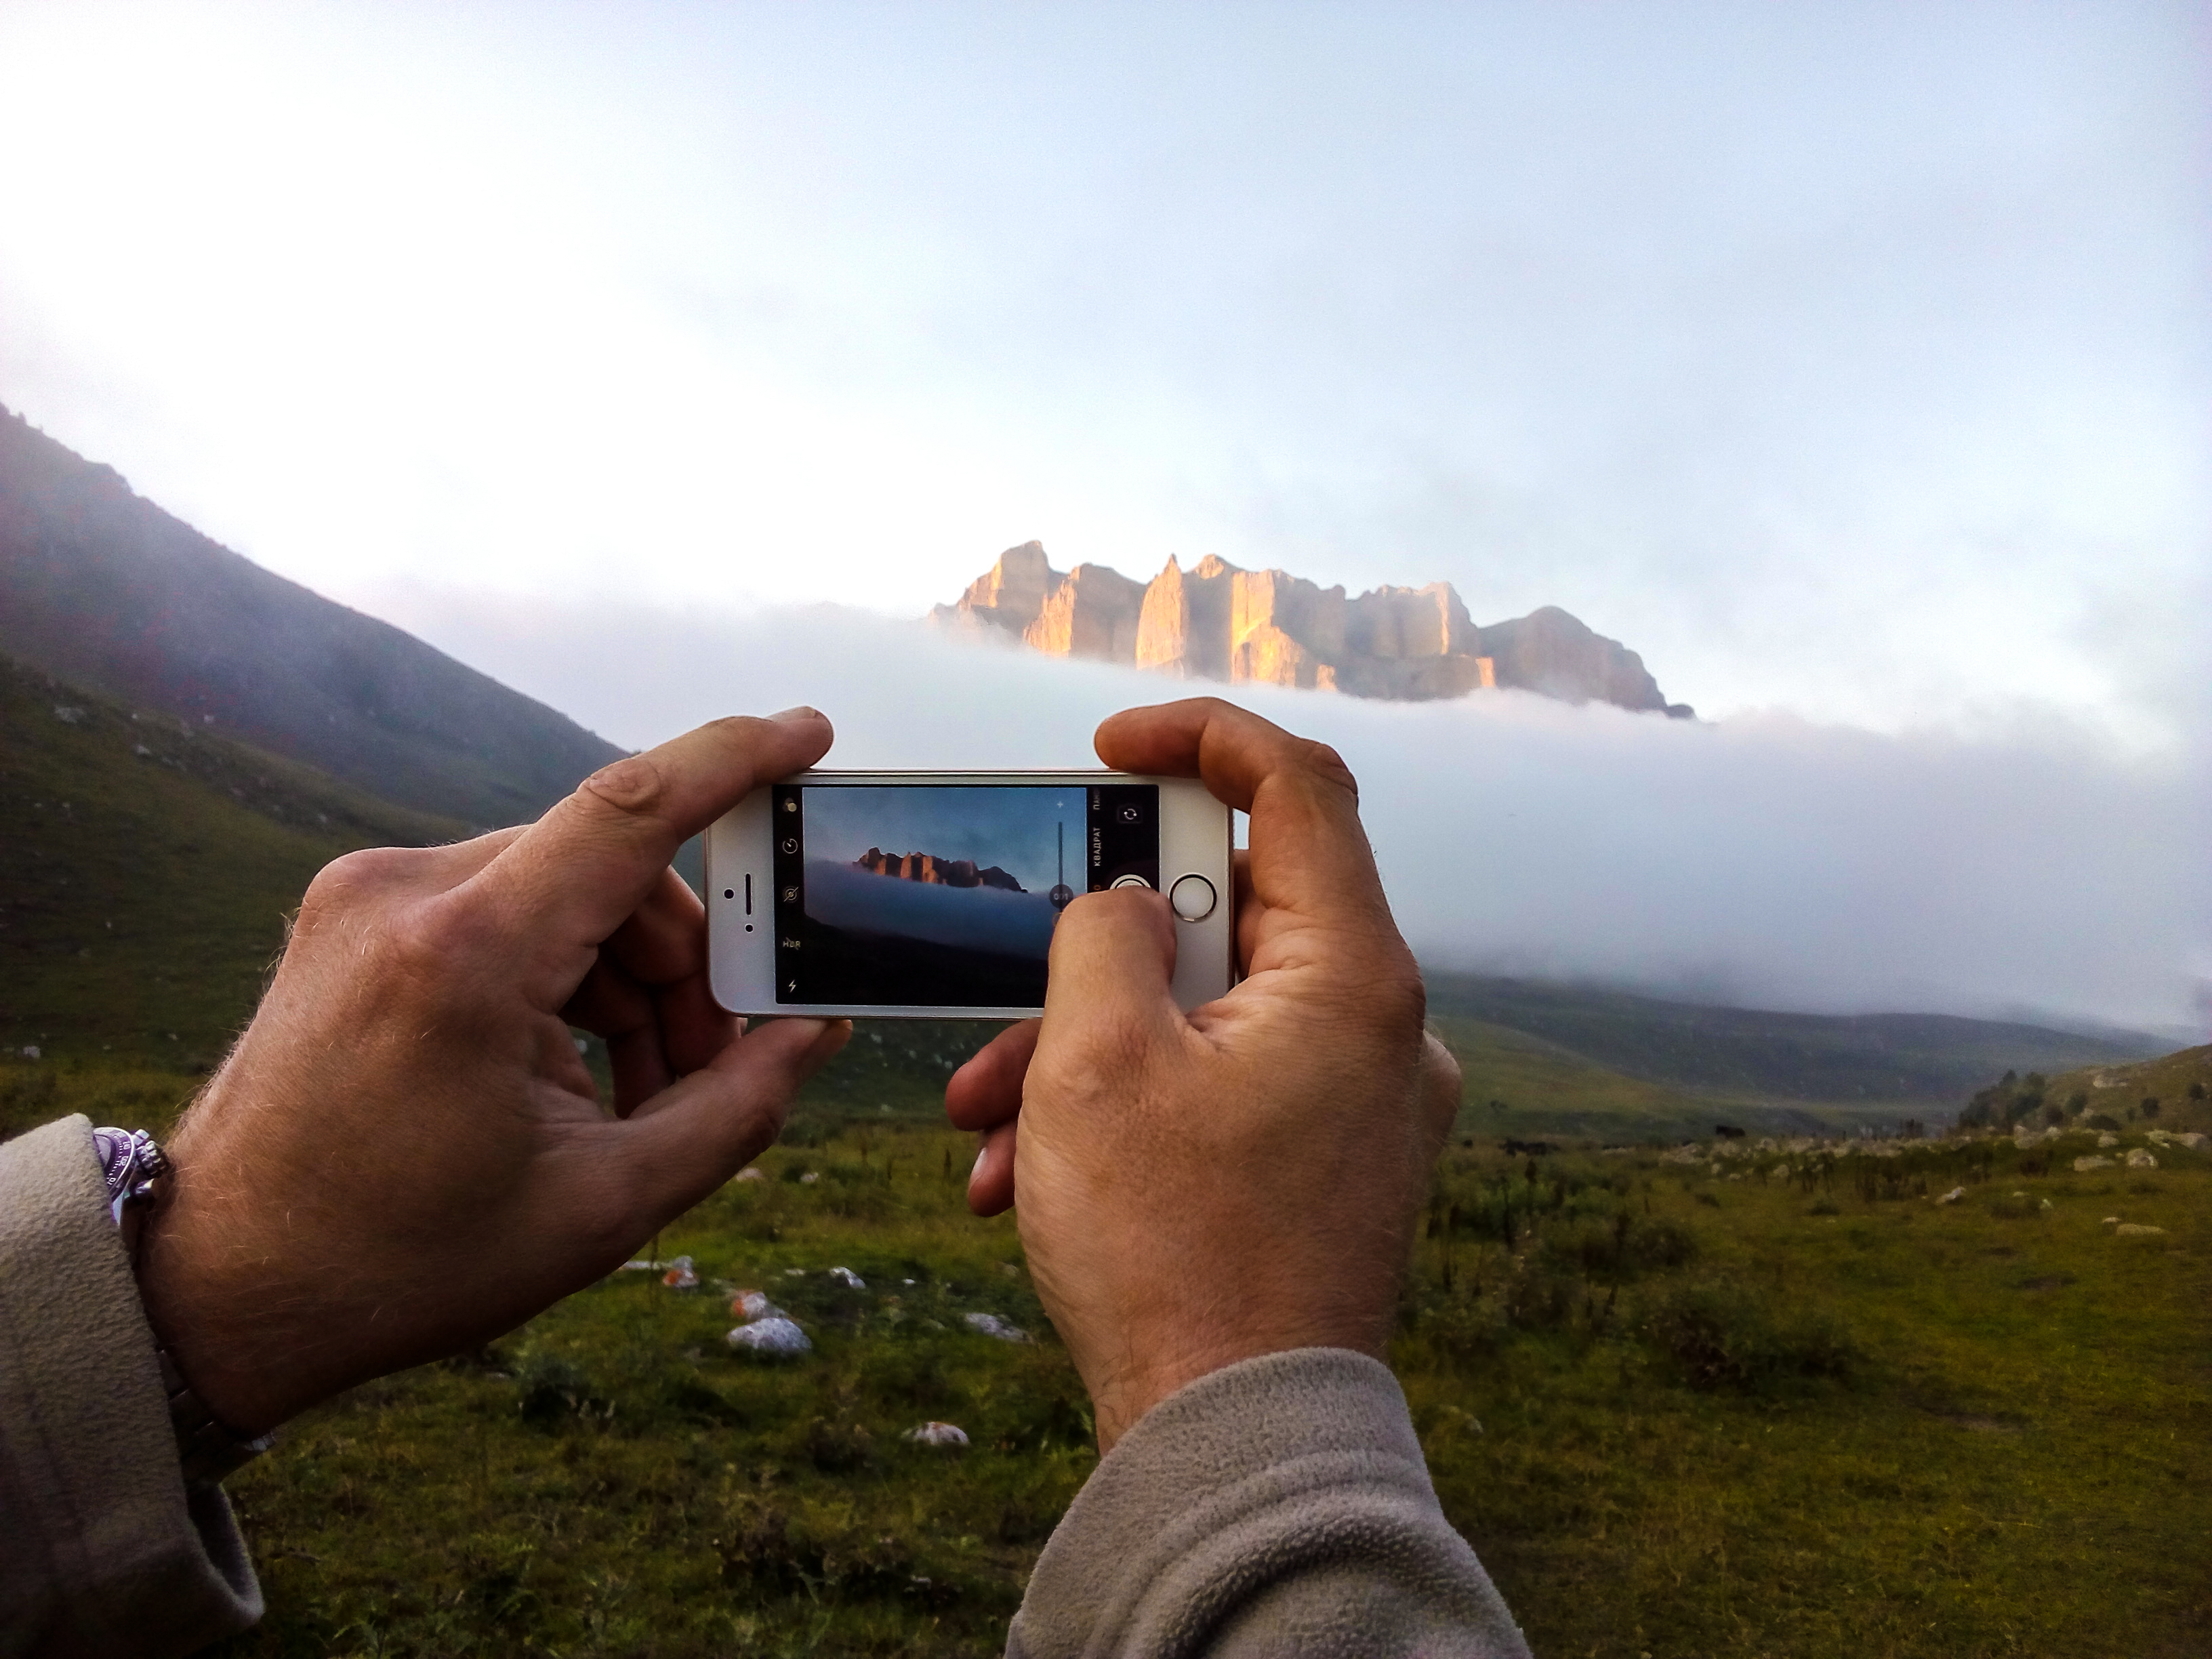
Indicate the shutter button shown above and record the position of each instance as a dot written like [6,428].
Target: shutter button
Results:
[1192,898]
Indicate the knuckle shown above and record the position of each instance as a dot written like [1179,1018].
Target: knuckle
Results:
[1325,764]
[633,786]
[355,882]
[426,940]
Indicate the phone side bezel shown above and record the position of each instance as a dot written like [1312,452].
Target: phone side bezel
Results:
[1196,832]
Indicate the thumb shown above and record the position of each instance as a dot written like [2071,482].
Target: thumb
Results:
[1113,964]
[697,1133]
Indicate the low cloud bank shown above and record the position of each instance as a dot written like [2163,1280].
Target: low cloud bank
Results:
[1764,861]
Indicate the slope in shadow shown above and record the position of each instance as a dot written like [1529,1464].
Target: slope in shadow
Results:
[104,590]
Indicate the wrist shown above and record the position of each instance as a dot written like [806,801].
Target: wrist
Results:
[208,1323]
[1150,1371]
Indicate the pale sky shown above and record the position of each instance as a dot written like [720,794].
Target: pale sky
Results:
[1851,360]
[1853,363]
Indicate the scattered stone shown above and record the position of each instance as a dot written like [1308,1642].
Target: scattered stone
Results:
[2138,1159]
[938,1434]
[681,1275]
[848,1278]
[774,1336]
[2137,1230]
[754,1304]
[2043,1204]
[2083,1165]
[809,1177]
[1953,1196]
[2110,1221]
[750,1172]
[991,1325]
[2107,1139]
[31,1051]
[2192,1140]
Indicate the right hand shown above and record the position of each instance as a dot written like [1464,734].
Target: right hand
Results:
[1195,1190]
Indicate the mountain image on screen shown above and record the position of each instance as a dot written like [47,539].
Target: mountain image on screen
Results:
[928,867]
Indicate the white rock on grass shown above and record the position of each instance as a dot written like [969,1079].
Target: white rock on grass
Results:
[848,1278]
[773,1335]
[2140,1159]
[991,1325]
[754,1304]
[2083,1165]
[681,1275]
[2107,1139]
[938,1434]
[2137,1230]
[1953,1196]
[752,1172]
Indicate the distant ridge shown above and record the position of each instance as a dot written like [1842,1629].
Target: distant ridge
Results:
[1217,621]
[104,589]
[1931,1060]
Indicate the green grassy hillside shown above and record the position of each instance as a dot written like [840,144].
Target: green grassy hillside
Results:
[2180,1083]
[1519,1086]
[146,869]
[1901,1062]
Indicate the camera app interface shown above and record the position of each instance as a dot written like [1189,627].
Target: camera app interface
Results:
[943,895]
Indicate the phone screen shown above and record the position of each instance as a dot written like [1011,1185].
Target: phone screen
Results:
[943,895]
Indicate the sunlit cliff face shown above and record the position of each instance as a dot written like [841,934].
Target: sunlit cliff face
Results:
[1215,621]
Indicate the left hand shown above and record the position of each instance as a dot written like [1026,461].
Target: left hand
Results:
[406,1155]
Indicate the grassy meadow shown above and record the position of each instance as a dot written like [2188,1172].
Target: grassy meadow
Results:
[1746,1400]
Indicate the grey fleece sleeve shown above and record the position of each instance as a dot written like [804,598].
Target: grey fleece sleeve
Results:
[106,1551]
[1279,1506]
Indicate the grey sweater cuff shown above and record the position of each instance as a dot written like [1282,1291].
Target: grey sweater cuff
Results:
[1279,1505]
[106,1551]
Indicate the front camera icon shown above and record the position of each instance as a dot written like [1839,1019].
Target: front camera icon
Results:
[1130,815]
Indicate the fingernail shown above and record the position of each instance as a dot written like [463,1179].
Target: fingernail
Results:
[982,1153]
[800,712]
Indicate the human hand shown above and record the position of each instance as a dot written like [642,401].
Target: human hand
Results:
[1200,1189]
[405,1155]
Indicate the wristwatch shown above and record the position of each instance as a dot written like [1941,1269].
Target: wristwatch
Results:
[133,1161]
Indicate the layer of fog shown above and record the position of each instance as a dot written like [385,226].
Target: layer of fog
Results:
[1764,861]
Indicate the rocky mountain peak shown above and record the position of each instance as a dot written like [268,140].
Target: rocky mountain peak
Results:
[1216,621]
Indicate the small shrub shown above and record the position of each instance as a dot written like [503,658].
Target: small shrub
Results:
[2104,1120]
[1823,1207]
[1721,1337]
[551,1391]
[838,1445]
[2150,1106]
[1536,1300]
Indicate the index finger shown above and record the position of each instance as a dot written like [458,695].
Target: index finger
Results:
[579,871]
[1310,853]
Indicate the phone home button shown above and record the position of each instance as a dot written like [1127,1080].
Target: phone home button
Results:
[1130,881]
[1192,898]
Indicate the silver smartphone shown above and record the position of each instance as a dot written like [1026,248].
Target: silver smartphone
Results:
[934,894]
